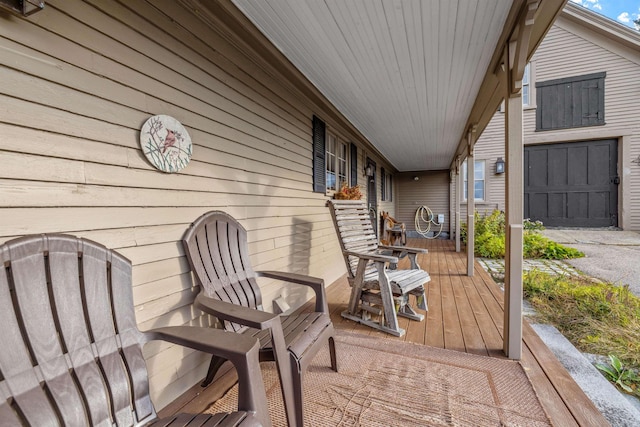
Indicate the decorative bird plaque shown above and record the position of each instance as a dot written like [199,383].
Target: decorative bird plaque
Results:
[166,143]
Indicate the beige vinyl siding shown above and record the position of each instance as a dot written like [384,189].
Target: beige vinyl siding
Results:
[571,49]
[79,80]
[431,190]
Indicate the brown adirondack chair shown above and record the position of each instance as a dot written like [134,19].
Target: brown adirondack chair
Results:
[216,246]
[72,353]
[376,289]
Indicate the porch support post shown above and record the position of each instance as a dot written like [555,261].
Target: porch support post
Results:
[516,54]
[452,209]
[513,244]
[459,184]
[471,203]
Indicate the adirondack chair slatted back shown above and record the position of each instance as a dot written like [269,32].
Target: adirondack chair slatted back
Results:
[355,231]
[216,245]
[71,350]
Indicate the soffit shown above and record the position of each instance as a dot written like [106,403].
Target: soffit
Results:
[406,73]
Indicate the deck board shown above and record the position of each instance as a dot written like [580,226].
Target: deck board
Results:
[465,314]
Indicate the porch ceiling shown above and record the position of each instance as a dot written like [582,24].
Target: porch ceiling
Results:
[406,73]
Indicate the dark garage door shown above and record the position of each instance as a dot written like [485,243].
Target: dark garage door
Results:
[572,184]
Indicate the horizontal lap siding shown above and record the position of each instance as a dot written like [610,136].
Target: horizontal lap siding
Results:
[79,80]
[431,190]
[568,50]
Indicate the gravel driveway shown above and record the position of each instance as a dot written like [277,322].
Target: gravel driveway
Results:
[610,255]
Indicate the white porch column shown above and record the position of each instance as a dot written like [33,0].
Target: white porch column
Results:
[459,184]
[452,209]
[471,203]
[516,57]
[514,212]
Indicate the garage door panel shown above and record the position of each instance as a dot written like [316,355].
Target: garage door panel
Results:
[539,177]
[571,184]
[557,166]
[599,205]
[538,204]
[578,205]
[599,165]
[556,208]
[578,166]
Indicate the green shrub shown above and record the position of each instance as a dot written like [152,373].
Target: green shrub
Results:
[489,239]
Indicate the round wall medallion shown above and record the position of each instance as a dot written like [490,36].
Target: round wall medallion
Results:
[166,143]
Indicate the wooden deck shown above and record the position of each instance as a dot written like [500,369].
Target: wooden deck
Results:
[465,314]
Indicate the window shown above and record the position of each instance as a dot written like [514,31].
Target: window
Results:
[479,179]
[330,159]
[336,162]
[527,92]
[526,86]
[387,186]
[570,102]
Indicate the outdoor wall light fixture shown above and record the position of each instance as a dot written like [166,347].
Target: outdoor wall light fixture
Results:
[23,7]
[499,166]
[368,171]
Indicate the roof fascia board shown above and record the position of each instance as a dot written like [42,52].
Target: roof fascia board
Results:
[494,85]
[602,25]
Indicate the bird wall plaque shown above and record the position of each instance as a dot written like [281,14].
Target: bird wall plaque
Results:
[166,143]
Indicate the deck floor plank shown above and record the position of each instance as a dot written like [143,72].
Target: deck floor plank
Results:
[465,314]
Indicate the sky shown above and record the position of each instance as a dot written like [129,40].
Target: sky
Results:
[622,11]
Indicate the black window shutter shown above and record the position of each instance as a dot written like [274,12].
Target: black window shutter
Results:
[384,184]
[390,187]
[319,167]
[354,164]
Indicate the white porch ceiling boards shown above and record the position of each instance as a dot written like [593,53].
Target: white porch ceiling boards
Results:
[406,73]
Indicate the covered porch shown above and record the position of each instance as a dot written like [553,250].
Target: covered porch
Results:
[93,72]
[465,314]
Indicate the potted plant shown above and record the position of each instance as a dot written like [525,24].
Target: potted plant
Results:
[347,192]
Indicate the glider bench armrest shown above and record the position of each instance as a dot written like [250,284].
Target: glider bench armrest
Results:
[404,249]
[315,283]
[371,256]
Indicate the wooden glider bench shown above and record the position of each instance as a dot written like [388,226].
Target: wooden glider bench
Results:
[376,289]
[71,351]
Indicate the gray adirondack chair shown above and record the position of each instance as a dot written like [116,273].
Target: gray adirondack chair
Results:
[377,288]
[72,353]
[216,246]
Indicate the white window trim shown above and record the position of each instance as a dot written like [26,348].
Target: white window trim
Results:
[480,164]
[531,68]
[387,187]
[329,156]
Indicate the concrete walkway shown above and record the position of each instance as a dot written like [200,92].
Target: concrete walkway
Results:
[495,267]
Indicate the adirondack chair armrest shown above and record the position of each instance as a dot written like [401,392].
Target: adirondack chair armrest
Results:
[241,350]
[315,283]
[246,316]
[209,340]
[404,249]
[372,256]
